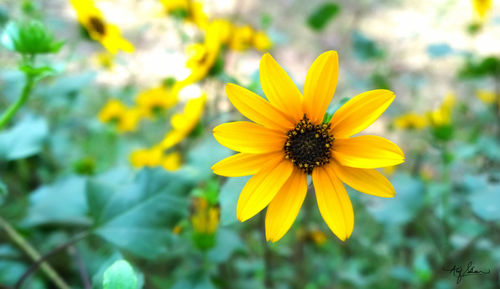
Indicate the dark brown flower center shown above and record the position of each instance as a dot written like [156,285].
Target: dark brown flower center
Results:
[308,145]
[97,24]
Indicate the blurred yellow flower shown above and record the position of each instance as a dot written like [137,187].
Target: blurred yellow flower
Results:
[411,121]
[289,141]
[261,41]
[202,56]
[115,112]
[104,60]
[488,97]
[183,123]
[482,8]
[241,39]
[442,115]
[146,157]
[204,216]
[172,161]
[91,18]
[318,237]
[156,100]
[177,230]
[155,157]
[188,9]
[224,29]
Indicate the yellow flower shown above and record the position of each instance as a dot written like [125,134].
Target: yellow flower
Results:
[107,34]
[442,115]
[318,237]
[261,41]
[115,112]
[202,56]
[411,121]
[204,216]
[241,38]
[156,100]
[482,8]
[172,161]
[223,29]
[183,123]
[190,10]
[289,141]
[146,157]
[104,60]
[488,97]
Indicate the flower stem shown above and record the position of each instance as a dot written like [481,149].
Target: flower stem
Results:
[33,254]
[28,87]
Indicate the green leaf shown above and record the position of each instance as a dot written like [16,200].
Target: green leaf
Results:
[322,15]
[228,199]
[120,276]
[485,200]
[138,215]
[200,162]
[24,139]
[3,191]
[62,202]
[366,48]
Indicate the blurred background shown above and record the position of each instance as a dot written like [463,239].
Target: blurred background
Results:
[107,109]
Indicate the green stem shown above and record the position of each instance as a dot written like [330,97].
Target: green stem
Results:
[33,254]
[28,87]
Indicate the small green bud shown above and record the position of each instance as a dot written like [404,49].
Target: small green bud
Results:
[31,37]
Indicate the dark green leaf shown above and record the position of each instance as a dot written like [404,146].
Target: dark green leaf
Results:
[322,15]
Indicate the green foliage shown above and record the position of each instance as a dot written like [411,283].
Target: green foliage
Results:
[120,275]
[24,139]
[322,15]
[366,48]
[134,214]
[30,37]
[488,66]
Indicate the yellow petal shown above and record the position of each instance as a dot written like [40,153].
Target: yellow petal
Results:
[262,188]
[333,202]
[247,137]
[280,89]
[367,151]
[285,206]
[244,164]
[360,112]
[368,181]
[256,108]
[321,81]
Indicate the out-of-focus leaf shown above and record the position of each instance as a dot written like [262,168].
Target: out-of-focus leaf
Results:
[195,282]
[439,50]
[3,191]
[485,202]
[62,202]
[24,139]
[139,216]
[400,209]
[489,66]
[227,242]
[322,15]
[120,275]
[228,199]
[365,48]
[422,268]
[202,157]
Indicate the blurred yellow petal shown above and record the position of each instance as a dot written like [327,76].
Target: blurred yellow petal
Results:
[285,206]
[280,89]
[411,121]
[320,84]
[262,188]
[171,162]
[249,137]
[360,112]
[244,164]
[367,151]
[256,108]
[368,181]
[333,202]
[486,96]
